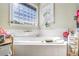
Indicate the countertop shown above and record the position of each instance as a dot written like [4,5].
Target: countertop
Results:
[6,41]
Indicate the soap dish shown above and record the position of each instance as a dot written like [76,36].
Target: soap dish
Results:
[48,41]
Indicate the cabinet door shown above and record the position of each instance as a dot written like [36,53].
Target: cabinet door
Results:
[4,50]
[73,46]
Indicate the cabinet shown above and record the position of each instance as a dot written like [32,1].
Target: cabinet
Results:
[6,48]
[73,46]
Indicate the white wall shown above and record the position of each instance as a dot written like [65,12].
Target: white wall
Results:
[64,15]
[77,4]
[4,15]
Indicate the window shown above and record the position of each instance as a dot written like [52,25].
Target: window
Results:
[23,13]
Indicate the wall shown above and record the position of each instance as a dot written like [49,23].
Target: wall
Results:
[64,16]
[4,15]
[77,4]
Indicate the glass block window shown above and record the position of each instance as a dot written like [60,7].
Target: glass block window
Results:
[23,13]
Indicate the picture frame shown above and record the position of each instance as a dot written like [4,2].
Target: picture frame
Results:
[47,12]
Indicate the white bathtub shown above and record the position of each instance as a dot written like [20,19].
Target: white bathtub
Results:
[37,47]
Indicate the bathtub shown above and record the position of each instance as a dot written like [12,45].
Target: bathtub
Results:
[38,47]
